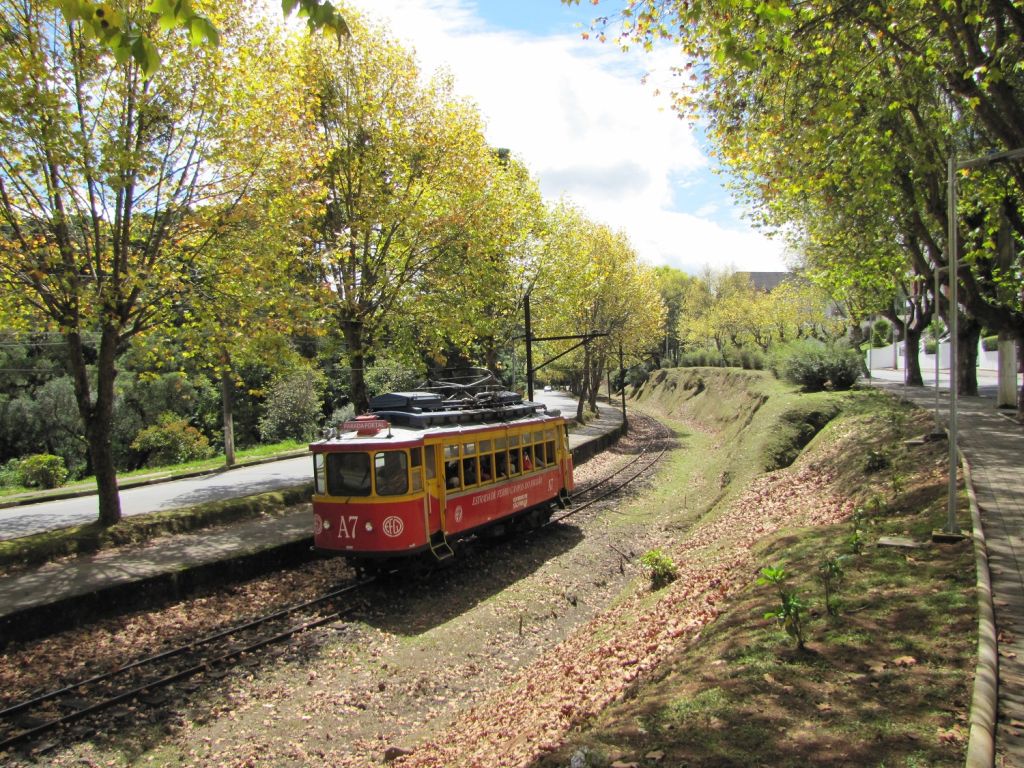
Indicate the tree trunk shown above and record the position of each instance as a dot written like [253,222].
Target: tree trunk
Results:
[491,357]
[968,333]
[227,396]
[584,384]
[911,354]
[595,382]
[98,417]
[353,330]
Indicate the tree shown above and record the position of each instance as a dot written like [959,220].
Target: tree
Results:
[100,173]
[591,281]
[672,285]
[493,267]
[877,97]
[129,36]
[399,183]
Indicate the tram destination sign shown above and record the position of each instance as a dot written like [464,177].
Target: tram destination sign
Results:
[366,425]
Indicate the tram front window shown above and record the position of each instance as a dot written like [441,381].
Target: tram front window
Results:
[348,474]
[392,473]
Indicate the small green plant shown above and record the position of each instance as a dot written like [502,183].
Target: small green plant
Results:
[789,614]
[898,483]
[876,461]
[42,470]
[831,575]
[660,568]
[875,505]
[857,538]
[855,542]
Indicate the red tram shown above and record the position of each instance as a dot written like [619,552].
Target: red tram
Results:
[421,471]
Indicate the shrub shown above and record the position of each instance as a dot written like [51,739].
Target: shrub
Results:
[880,333]
[660,567]
[293,409]
[9,474]
[752,359]
[637,375]
[42,470]
[930,345]
[701,359]
[341,415]
[815,366]
[990,343]
[172,441]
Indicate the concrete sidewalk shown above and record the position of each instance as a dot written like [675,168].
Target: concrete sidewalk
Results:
[992,444]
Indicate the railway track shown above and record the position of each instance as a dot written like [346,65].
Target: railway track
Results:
[586,497]
[132,683]
[30,719]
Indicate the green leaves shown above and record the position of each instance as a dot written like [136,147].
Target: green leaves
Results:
[321,14]
[126,39]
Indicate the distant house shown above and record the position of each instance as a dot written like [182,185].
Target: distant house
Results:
[766,281]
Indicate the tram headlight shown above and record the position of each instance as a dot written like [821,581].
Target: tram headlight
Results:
[369,527]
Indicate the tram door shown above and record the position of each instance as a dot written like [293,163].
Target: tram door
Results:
[435,488]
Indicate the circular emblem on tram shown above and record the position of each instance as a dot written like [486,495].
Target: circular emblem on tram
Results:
[458,514]
[318,525]
[392,526]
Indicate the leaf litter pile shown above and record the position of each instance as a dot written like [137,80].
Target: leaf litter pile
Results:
[497,662]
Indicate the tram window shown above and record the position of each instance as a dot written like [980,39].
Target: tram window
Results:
[451,474]
[486,475]
[538,455]
[469,449]
[513,461]
[320,473]
[451,452]
[513,440]
[527,459]
[392,473]
[469,473]
[500,465]
[348,474]
[538,437]
[431,468]
[416,462]
[551,451]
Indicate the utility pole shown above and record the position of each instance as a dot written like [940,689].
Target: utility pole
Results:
[622,388]
[529,349]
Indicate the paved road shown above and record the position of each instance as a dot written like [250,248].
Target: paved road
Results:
[174,494]
[243,481]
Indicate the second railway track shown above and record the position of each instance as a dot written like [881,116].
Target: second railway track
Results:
[31,718]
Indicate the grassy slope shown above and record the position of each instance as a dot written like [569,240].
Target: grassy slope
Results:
[887,681]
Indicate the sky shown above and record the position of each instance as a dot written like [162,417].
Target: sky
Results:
[588,122]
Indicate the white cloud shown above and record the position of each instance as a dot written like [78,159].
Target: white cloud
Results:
[588,129]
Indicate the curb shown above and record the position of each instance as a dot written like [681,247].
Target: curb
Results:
[984,699]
